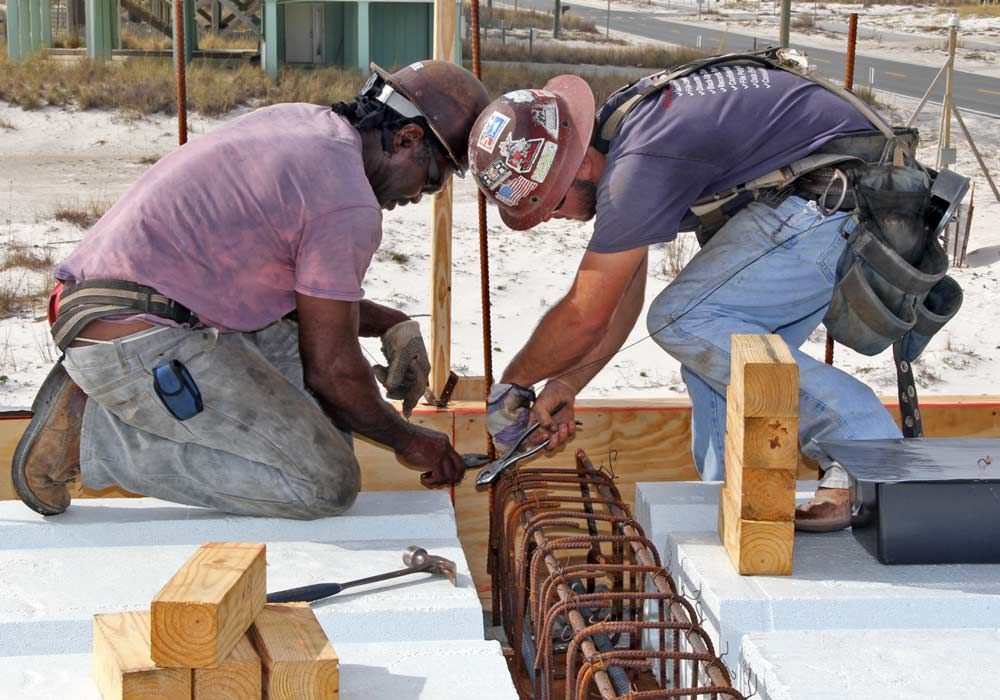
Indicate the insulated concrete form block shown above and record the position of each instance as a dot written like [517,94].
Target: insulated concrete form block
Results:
[836,585]
[440,670]
[420,515]
[865,664]
[51,594]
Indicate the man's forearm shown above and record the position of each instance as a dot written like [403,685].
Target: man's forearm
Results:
[349,395]
[621,325]
[375,319]
[560,341]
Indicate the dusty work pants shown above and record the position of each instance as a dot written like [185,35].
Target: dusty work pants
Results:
[768,270]
[261,446]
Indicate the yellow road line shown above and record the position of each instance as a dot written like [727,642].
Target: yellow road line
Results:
[988,91]
[894,75]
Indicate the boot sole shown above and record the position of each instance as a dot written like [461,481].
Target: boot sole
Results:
[822,525]
[41,409]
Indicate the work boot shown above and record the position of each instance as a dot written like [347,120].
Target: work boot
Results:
[48,456]
[828,511]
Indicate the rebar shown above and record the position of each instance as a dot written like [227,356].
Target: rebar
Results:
[586,604]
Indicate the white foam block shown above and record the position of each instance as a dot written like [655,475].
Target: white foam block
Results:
[835,584]
[143,521]
[860,664]
[50,595]
[451,670]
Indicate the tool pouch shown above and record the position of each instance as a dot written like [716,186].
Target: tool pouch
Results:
[891,281]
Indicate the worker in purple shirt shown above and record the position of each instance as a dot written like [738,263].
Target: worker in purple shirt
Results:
[766,265]
[210,320]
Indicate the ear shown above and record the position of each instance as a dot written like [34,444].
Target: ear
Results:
[592,165]
[408,136]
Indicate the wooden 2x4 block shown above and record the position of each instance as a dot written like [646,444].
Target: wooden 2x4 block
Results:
[757,503]
[123,665]
[299,662]
[200,615]
[238,678]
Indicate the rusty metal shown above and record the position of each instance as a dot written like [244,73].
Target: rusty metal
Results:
[180,67]
[586,604]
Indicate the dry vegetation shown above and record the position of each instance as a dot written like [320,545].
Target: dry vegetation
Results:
[81,215]
[525,19]
[653,57]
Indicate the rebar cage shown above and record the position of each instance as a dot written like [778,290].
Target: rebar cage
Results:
[586,604]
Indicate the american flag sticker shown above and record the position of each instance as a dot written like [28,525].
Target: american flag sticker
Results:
[491,131]
[514,190]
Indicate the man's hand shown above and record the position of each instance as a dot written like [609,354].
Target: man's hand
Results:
[559,427]
[429,449]
[508,408]
[408,368]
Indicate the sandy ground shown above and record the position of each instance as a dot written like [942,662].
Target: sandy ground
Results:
[53,157]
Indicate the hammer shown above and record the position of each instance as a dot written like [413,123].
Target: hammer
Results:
[415,559]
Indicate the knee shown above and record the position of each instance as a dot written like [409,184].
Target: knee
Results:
[332,490]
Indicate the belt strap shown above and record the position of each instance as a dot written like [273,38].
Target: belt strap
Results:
[83,302]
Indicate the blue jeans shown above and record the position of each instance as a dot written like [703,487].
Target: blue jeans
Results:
[768,270]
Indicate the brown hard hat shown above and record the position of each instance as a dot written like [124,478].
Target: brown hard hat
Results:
[528,145]
[448,96]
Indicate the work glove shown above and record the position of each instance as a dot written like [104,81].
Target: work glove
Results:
[508,408]
[408,368]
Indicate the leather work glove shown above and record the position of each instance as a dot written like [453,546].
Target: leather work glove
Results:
[508,409]
[408,368]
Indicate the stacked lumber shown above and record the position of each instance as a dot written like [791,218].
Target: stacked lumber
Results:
[210,635]
[757,504]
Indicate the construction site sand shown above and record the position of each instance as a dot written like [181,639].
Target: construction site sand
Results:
[55,156]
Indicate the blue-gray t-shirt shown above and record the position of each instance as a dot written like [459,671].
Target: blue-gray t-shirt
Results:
[706,133]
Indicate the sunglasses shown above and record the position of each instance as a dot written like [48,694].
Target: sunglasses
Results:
[434,182]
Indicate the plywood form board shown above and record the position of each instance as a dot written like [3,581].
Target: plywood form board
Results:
[123,665]
[755,547]
[238,678]
[208,605]
[382,470]
[299,661]
[764,376]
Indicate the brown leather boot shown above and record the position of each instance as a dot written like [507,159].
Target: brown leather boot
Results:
[828,511]
[48,456]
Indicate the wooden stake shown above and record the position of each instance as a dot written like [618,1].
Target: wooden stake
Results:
[238,678]
[299,662]
[123,666]
[441,211]
[209,604]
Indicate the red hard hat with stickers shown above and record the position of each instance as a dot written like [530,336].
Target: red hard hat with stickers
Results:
[527,146]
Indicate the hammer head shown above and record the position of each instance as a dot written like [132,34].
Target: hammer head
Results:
[419,559]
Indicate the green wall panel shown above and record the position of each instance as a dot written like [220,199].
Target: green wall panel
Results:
[401,32]
[335,38]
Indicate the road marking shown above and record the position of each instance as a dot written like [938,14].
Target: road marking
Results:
[988,91]
[821,60]
[675,31]
[895,75]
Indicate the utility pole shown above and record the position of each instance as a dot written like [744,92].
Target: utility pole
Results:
[557,25]
[608,32]
[946,156]
[786,20]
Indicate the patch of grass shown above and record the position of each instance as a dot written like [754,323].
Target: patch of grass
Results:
[148,160]
[868,95]
[653,57]
[81,215]
[27,257]
[804,21]
[503,79]
[978,10]
[217,42]
[153,41]
[65,40]
[18,294]
[7,125]
[525,19]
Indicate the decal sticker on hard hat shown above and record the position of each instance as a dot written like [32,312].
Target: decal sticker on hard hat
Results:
[491,132]
[521,154]
[512,192]
[542,93]
[494,174]
[520,96]
[416,66]
[547,115]
[544,162]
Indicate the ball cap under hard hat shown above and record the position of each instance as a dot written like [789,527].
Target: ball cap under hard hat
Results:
[447,95]
[527,146]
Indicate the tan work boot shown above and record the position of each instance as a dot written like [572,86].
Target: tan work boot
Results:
[828,511]
[48,456]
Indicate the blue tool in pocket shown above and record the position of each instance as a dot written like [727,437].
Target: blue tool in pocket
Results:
[177,390]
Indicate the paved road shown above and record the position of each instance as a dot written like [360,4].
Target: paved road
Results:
[973,93]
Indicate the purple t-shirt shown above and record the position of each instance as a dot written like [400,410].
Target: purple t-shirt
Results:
[234,223]
[706,133]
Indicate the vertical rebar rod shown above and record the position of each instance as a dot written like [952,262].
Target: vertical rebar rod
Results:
[179,67]
[484,245]
[852,46]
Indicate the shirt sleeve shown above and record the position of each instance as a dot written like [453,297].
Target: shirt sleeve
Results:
[642,199]
[335,251]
